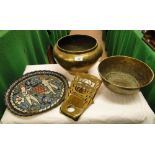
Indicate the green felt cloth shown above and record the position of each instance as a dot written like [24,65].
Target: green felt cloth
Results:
[55,35]
[130,43]
[21,48]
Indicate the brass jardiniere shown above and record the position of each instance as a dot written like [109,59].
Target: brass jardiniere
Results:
[77,53]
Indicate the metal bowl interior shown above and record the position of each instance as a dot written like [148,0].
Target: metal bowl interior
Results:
[77,43]
[125,72]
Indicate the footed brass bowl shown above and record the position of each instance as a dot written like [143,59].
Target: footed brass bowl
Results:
[125,75]
[77,53]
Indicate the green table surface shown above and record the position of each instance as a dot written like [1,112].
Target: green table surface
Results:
[20,48]
[130,43]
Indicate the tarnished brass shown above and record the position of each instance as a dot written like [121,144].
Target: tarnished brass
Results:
[77,53]
[125,75]
[80,95]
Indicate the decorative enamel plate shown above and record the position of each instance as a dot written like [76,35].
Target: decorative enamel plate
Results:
[36,92]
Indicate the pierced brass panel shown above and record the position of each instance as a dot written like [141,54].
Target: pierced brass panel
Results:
[80,95]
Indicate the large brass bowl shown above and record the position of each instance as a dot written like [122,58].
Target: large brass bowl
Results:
[125,75]
[77,53]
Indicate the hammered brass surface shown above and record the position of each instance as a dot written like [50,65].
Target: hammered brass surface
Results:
[80,95]
[125,75]
[77,53]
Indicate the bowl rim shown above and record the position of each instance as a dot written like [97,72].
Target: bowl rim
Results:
[128,88]
[77,52]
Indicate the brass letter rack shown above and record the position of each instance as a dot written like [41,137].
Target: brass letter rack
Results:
[80,95]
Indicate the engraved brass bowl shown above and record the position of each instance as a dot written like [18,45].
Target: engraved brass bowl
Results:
[125,75]
[77,53]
